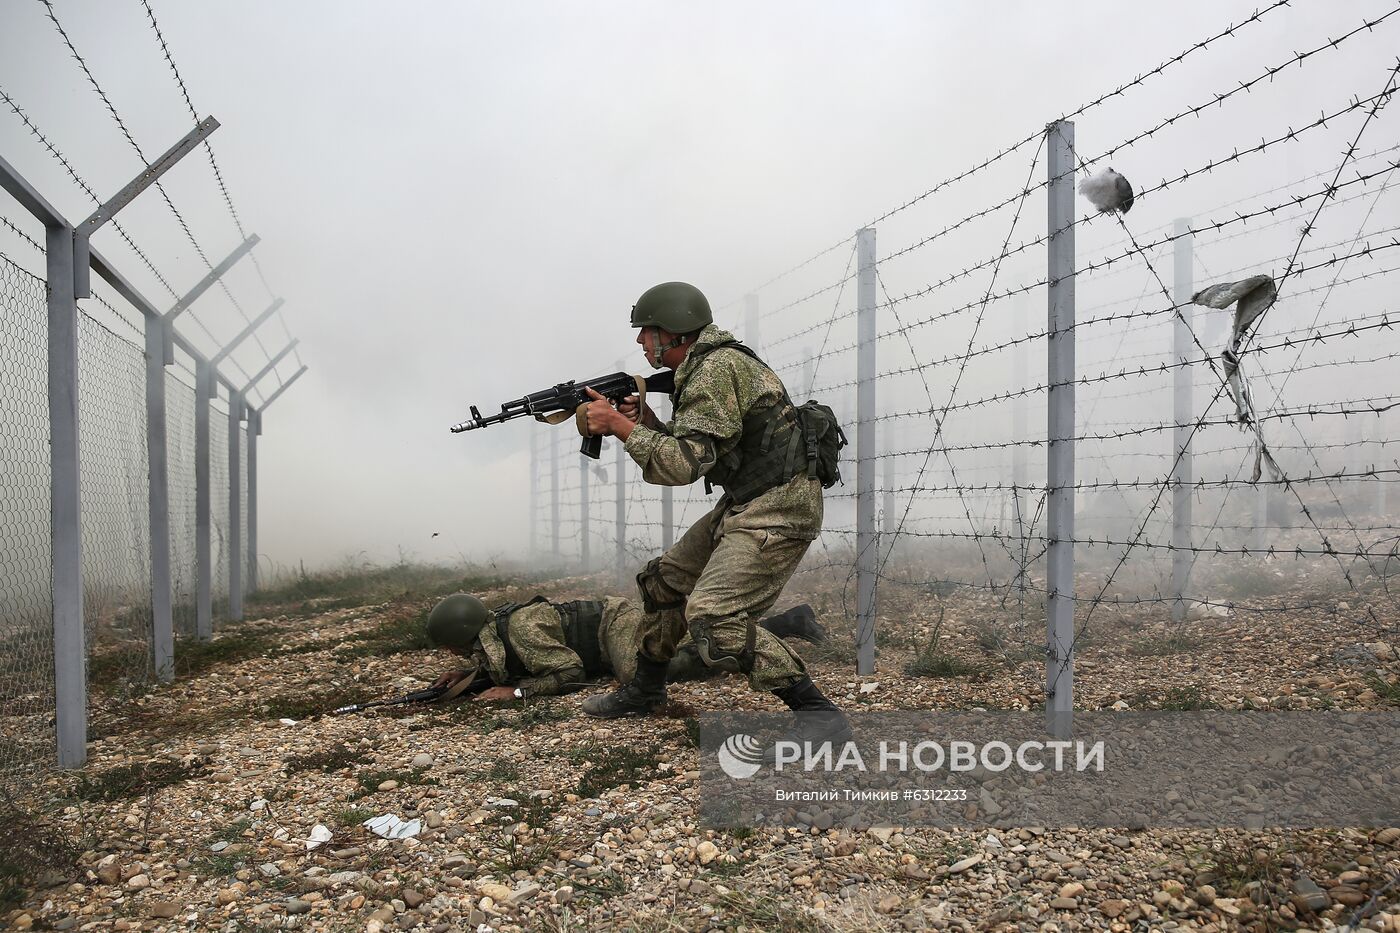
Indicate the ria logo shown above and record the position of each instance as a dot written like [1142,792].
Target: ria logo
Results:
[740,756]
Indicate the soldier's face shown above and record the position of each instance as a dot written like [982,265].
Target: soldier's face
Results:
[651,340]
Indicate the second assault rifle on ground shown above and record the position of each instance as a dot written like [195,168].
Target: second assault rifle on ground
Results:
[567,398]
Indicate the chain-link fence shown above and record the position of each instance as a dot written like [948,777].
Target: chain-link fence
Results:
[180,454]
[115,497]
[26,607]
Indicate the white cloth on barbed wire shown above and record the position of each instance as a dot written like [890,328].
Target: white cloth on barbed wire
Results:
[1251,298]
[1108,191]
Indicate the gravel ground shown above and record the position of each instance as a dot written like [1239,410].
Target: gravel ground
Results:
[198,799]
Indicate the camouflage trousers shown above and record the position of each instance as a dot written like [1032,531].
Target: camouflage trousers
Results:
[718,584]
[619,634]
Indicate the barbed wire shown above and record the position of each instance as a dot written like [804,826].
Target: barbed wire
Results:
[1006,151]
[136,147]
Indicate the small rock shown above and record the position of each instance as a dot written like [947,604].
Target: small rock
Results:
[138,882]
[411,897]
[109,870]
[706,852]
[497,892]
[881,832]
[165,909]
[296,905]
[1388,836]
[888,904]
[1073,889]
[1347,894]
[1112,908]
[592,811]
[1205,895]
[1064,903]
[563,895]
[962,865]
[389,785]
[228,895]
[421,760]
[1308,896]
[269,870]
[523,893]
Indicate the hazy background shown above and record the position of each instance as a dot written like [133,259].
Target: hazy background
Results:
[460,201]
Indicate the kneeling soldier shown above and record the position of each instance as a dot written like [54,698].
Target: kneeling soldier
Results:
[540,648]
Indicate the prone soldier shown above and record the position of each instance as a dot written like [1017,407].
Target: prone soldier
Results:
[543,648]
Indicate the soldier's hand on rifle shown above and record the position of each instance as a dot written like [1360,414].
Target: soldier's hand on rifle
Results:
[451,678]
[497,693]
[603,419]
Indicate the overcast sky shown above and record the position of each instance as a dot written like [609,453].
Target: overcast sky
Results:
[460,201]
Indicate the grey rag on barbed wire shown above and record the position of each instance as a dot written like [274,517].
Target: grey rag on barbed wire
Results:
[1251,298]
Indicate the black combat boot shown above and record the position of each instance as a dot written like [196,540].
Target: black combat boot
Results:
[645,693]
[818,719]
[798,622]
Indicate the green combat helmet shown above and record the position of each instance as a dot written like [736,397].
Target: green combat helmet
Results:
[671,306]
[456,621]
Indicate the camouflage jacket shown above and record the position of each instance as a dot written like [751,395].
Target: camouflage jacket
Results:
[536,634]
[712,396]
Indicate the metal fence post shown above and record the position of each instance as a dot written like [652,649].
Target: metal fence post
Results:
[621,512]
[204,569]
[235,516]
[69,636]
[1020,436]
[158,488]
[668,524]
[554,494]
[867,547]
[1183,470]
[254,429]
[1059,478]
[583,516]
[808,372]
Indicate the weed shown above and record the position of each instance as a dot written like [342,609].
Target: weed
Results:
[216,864]
[352,816]
[612,766]
[761,912]
[301,704]
[33,848]
[193,656]
[232,831]
[335,759]
[131,780]
[1150,646]
[1184,698]
[934,663]
[369,781]
[402,632]
[1250,581]
[1389,693]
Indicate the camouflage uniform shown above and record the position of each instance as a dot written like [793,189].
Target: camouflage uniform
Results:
[731,566]
[537,638]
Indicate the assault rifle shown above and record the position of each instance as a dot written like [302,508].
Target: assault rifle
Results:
[426,695]
[477,682]
[555,405]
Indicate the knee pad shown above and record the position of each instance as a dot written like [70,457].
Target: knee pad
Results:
[714,657]
[656,595]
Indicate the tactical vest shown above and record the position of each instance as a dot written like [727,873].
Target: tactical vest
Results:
[771,449]
[581,620]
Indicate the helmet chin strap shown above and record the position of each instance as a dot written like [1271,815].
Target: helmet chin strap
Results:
[655,354]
